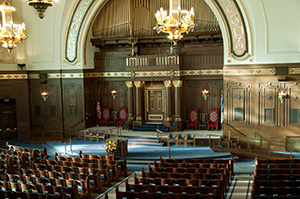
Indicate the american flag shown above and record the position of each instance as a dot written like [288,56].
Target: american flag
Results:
[98,108]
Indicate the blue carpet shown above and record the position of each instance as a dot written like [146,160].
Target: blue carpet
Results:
[145,154]
[150,128]
[138,152]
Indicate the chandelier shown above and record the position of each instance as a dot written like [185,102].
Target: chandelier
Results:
[10,33]
[178,22]
[41,6]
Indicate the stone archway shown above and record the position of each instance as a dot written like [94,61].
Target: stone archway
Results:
[230,14]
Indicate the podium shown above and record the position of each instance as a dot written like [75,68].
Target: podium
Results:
[123,146]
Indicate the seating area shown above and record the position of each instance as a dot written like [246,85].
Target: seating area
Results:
[181,139]
[97,135]
[181,178]
[27,173]
[276,178]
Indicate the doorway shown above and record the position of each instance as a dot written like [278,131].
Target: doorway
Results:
[155,102]
[8,119]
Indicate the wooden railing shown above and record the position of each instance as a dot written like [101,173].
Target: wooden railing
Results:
[257,143]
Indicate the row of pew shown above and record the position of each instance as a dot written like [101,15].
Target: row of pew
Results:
[276,179]
[180,179]
[64,177]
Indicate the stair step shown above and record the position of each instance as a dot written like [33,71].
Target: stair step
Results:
[150,127]
[145,144]
[145,141]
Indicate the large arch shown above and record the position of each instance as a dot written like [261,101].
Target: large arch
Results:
[230,14]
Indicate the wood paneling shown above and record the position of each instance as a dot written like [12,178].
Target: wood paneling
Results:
[18,90]
[193,99]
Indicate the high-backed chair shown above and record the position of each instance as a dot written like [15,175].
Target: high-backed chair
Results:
[193,119]
[105,116]
[190,138]
[213,119]
[122,116]
[203,121]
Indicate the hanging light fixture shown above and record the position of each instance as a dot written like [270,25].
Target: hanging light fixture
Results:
[10,33]
[178,22]
[41,6]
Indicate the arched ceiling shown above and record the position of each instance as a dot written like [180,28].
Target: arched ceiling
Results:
[136,18]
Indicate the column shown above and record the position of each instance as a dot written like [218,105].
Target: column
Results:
[129,85]
[139,102]
[168,85]
[177,85]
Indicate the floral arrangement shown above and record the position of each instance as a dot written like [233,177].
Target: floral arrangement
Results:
[111,146]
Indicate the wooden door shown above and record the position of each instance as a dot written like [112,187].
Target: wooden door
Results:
[155,105]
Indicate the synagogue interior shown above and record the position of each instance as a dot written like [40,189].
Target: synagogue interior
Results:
[90,86]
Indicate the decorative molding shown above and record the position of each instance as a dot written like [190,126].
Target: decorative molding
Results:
[294,71]
[168,83]
[13,76]
[138,84]
[140,74]
[295,97]
[153,60]
[177,83]
[129,84]
[237,28]
[270,71]
[75,23]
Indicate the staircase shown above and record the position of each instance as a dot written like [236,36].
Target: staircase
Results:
[151,127]
[144,141]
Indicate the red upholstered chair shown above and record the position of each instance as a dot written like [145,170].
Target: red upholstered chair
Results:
[193,120]
[105,116]
[122,116]
[213,119]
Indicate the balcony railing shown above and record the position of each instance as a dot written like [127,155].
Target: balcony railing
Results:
[153,60]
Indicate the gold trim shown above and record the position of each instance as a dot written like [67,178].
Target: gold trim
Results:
[168,83]
[224,72]
[294,71]
[13,76]
[138,118]
[161,117]
[270,71]
[138,84]
[177,83]
[129,84]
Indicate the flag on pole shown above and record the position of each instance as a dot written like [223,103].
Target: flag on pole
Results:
[222,108]
[98,108]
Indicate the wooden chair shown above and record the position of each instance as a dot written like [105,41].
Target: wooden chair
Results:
[203,121]
[171,138]
[180,139]
[189,138]
[174,126]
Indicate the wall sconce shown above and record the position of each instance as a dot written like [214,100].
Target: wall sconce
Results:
[44,95]
[282,95]
[114,93]
[205,94]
